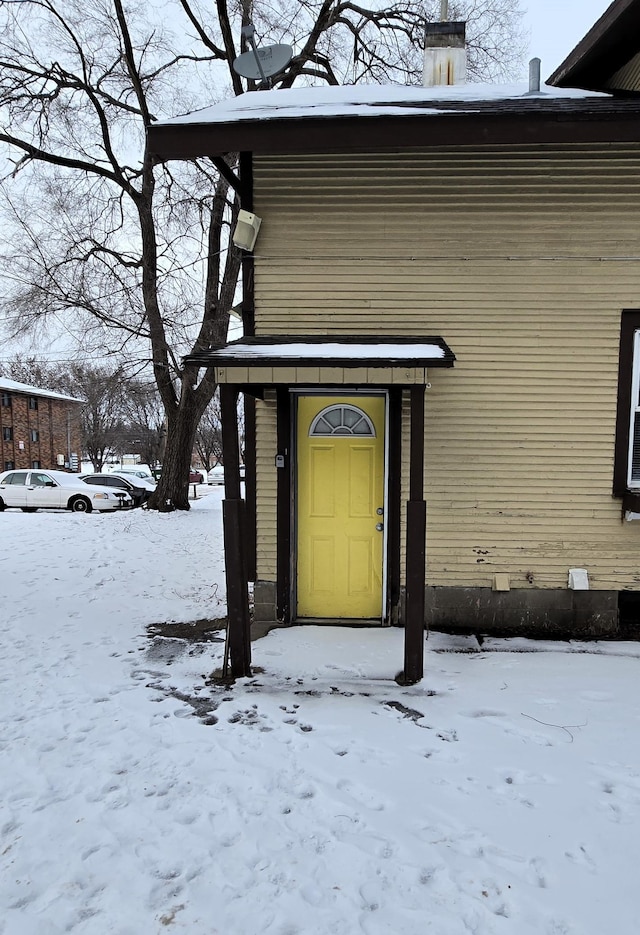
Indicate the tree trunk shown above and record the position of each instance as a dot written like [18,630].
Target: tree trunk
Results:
[172,492]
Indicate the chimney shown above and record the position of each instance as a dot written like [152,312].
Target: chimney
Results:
[445,54]
[534,76]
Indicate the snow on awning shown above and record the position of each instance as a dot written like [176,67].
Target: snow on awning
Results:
[348,351]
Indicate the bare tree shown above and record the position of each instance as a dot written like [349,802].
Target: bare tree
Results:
[209,435]
[103,392]
[143,427]
[34,372]
[132,258]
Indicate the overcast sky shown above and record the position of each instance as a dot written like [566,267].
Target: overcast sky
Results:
[557,26]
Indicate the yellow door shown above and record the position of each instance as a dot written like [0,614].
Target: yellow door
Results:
[340,489]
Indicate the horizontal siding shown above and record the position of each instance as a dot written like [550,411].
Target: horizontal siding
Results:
[522,259]
[404,486]
[628,77]
[266,500]
[308,376]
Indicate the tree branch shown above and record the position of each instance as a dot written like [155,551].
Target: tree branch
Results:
[229,46]
[131,63]
[202,35]
[42,155]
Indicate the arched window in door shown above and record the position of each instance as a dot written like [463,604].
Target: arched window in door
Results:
[342,419]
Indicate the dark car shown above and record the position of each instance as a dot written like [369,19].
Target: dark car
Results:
[136,487]
[195,477]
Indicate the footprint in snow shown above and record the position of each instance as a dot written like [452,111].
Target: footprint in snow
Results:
[483,713]
[362,795]
[596,696]
[581,857]
[450,736]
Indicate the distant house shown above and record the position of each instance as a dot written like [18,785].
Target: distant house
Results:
[442,320]
[39,428]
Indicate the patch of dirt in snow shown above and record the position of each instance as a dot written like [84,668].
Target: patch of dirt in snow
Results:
[199,631]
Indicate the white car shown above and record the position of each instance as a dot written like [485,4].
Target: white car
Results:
[136,471]
[216,475]
[38,490]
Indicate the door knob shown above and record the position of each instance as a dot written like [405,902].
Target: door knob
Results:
[380,511]
[379,526]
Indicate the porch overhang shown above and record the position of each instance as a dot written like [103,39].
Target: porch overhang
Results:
[313,362]
[308,360]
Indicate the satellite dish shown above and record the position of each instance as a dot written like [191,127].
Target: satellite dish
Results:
[260,64]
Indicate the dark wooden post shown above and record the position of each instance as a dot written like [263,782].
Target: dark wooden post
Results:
[250,491]
[416,546]
[284,508]
[234,522]
[394,505]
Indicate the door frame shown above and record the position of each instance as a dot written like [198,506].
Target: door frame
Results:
[293,480]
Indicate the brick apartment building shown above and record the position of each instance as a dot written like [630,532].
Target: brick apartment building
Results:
[38,428]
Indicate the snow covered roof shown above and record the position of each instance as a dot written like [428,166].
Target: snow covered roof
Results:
[11,386]
[359,118]
[363,100]
[330,351]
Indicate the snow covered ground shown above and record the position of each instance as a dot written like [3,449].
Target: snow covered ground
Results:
[501,795]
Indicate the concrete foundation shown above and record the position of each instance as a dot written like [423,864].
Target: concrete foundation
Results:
[264,602]
[563,614]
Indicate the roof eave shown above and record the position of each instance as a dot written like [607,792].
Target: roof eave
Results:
[373,363]
[610,43]
[362,134]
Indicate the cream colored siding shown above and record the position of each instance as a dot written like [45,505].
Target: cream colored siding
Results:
[521,259]
[404,486]
[627,78]
[309,376]
[266,435]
